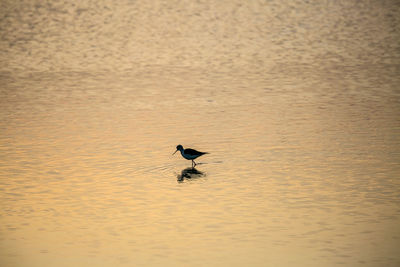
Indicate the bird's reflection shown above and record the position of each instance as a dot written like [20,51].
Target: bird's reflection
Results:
[189,173]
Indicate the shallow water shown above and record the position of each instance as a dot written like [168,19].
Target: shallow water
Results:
[297,103]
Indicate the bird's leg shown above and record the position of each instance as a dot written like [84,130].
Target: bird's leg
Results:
[193,163]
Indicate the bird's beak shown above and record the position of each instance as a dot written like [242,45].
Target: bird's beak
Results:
[174,152]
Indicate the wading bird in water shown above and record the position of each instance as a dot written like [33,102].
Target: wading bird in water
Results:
[189,154]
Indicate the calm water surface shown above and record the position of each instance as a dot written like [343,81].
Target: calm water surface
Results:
[297,103]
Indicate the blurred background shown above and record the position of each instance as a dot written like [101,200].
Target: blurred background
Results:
[296,101]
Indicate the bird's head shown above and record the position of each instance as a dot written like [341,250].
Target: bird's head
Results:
[178,147]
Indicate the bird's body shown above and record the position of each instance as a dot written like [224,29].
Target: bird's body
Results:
[190,154]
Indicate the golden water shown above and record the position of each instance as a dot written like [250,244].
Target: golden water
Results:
[296,101]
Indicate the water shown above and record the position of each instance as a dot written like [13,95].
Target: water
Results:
[297,103]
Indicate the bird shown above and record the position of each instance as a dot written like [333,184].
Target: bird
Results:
[189,154]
